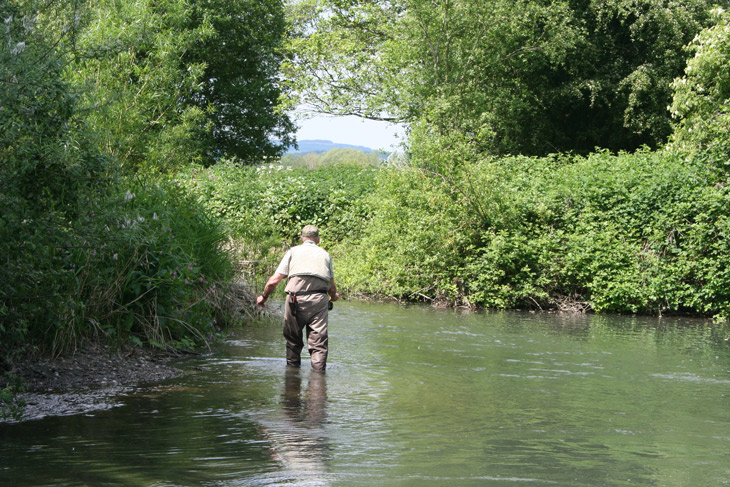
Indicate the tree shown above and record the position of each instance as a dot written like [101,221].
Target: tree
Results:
[48,163]
[49,172]
[169,81]
[240,90]
[701,103]
[522,76]
[126,65]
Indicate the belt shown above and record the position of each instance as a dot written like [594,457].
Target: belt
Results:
[293,294]
[293,298]
[302,293]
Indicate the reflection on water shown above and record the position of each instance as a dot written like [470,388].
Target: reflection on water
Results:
[299,441]
[308,409]
[413,397]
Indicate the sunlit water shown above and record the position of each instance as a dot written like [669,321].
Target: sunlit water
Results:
[413,397]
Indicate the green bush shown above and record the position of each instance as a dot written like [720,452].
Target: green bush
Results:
[411,243]
[133,266]
[10,404]
[644,232]
[81,257]
[49,172]
[265,207]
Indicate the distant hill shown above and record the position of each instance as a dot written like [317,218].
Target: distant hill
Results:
[322,146]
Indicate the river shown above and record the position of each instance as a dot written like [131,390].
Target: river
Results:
[413,396]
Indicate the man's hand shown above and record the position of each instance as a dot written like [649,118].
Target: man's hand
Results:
[269,288]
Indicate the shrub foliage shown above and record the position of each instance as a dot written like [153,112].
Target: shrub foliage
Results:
[643,232]
[89,250]
[264,208]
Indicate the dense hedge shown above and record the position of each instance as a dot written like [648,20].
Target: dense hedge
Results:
[135,265]
[82,257]
[265,207]
[646,232]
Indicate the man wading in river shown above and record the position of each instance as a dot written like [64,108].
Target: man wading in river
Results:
[311,280]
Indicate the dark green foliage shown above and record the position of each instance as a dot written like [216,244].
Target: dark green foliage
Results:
[80,260]
[239,90]
[10,404]
[506,77]
[612,90]
[47,162]
[701,104]
[129,266]
[49,170]
[166,82]
[143,263]
[124,60]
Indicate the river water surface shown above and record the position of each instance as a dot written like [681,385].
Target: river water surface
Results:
[413,396]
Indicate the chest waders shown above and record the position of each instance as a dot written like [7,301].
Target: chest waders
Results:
[306,315]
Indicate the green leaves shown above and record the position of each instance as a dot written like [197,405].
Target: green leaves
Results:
[341,57]
[504,77]
[167,83]
[89,87]
[701,104]
[267,206]
[128,61]
[240,90]
[638,233]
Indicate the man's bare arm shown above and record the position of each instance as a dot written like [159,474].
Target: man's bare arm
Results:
[269,288]
[334,296]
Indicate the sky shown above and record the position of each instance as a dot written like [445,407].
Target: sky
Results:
[351,130]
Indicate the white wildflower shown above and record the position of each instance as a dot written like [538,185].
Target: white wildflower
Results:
[19,48]
[128,196]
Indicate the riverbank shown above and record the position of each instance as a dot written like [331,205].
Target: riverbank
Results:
[88,380]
